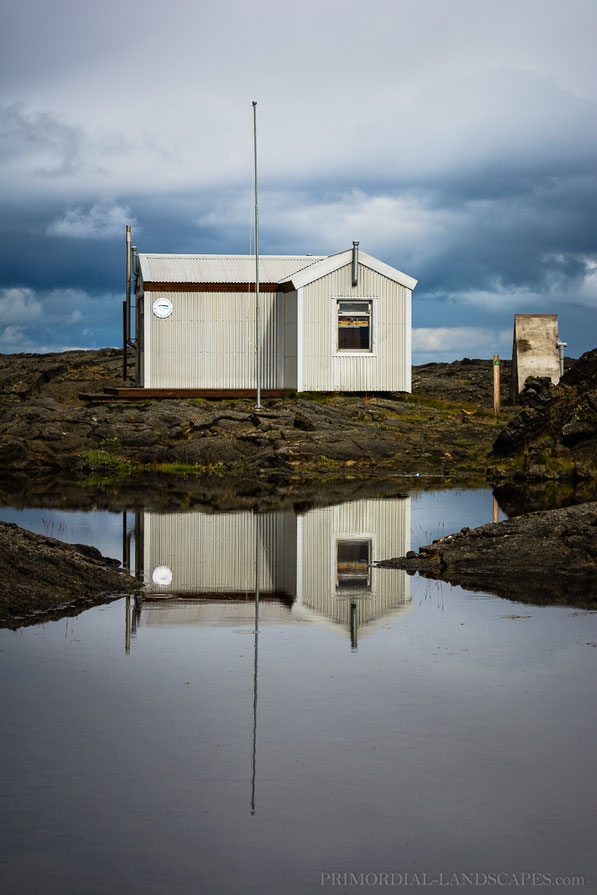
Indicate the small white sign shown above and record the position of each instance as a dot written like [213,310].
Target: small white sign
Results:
[162,576]
[162,308]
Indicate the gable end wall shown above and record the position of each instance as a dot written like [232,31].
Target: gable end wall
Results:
[388,367]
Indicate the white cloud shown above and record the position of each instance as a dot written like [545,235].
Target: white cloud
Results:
[104,220]
[19,306]
[556,289]
[14,339]
[444,343]
[95,320]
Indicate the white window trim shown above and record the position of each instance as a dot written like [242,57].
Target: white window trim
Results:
[346,352]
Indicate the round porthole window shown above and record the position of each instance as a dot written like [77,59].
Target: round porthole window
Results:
[162,308]
[162,576]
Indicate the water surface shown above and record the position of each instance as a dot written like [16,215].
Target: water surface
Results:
[164,747]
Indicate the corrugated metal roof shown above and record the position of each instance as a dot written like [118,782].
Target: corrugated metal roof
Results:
[221,268]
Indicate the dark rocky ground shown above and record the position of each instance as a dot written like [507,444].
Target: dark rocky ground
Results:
[556,421]
[43,579]
[544,557]
[446,428]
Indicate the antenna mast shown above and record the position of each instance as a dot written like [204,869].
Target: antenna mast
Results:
[257,317]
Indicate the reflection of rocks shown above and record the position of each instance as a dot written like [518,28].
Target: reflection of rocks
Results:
[527,497]
[43,578]
[166,493]
[544,557]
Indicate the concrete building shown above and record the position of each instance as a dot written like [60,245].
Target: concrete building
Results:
[536,350]
[328,323]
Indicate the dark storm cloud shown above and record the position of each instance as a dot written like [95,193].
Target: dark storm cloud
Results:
[454,140]
[53,141]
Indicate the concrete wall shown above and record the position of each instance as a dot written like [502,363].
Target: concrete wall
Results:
[534,349]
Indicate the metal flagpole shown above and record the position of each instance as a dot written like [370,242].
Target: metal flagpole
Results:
[257,320]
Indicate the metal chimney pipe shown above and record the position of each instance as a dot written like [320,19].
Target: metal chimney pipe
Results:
[355,262]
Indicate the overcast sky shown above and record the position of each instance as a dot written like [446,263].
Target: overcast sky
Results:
[456,139]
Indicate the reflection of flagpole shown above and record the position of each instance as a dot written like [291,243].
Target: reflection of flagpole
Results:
[126,564]
[256,661]
[353,626]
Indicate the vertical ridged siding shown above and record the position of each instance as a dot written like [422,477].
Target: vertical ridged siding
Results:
[289,342]
[209,341]
[216,553]
[388,368]
[210,554]
[387,524]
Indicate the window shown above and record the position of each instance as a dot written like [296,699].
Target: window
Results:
[354,325]
[353,564]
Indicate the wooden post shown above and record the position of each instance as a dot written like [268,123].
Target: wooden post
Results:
[496,384]
[496,511]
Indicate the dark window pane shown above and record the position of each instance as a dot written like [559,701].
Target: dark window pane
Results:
[354,326]
[353,560]
[353,338]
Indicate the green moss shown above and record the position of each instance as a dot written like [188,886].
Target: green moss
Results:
[189,468]
[101,459]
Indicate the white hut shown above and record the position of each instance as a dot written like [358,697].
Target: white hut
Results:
[328,323]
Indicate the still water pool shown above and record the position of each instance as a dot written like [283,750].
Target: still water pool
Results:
[375,724]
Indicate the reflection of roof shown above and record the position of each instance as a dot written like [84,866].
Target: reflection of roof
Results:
[335,614]
[212,613]
[221,268]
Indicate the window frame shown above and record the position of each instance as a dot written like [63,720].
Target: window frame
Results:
[354,352]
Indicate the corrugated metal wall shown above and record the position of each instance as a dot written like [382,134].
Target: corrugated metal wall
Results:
[288,321]
[213,613]
[387,524]
[209,341]
[216,553]
[388,367]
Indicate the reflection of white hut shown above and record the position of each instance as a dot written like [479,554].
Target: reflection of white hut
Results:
[336,547]
[201,568]
[210,554]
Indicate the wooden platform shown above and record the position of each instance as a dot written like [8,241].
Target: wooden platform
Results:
[151,394]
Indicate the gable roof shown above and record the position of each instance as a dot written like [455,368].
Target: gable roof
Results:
[326,265]
[159,268]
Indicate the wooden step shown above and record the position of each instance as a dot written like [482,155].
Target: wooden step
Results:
[112,393]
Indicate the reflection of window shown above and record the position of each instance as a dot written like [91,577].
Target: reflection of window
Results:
[353,564]
[354,325]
